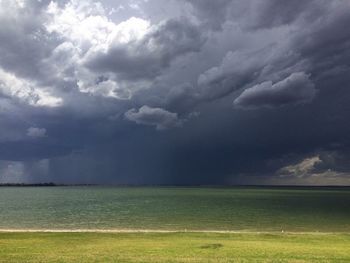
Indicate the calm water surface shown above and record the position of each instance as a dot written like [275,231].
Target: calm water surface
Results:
[175,208]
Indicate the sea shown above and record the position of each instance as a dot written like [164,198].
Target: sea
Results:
[295,209]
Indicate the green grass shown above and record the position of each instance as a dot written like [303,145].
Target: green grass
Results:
[173,247]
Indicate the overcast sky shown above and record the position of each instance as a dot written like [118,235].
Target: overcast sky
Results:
[175,92]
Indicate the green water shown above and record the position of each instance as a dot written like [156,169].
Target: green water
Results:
[263,209]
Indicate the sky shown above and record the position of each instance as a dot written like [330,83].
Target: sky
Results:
[203,92]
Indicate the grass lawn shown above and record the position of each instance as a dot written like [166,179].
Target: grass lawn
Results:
[173,247]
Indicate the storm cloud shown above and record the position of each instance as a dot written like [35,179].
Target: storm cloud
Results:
[175,92]
[297,88]
[157,117]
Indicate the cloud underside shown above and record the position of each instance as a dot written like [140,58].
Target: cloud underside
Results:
[191,91]
[157,117]
[297,88]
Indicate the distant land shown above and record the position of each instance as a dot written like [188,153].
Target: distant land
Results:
[40,185]
[51,184]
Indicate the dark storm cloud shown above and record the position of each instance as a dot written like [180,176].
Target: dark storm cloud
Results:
[255,14]
[274,13]
[24,40]
[31,150]
[327,43]
[237,70]
[297,88]
[84,91]
[333,161]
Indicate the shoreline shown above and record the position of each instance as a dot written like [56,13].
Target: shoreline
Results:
[161,231]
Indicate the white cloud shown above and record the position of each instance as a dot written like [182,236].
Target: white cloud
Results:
[103,85]
[26,91]
[128,31]
[87,26]
[314,170]
[129,54]
[36,132]
[157,117]
[89,33]
[301,169]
